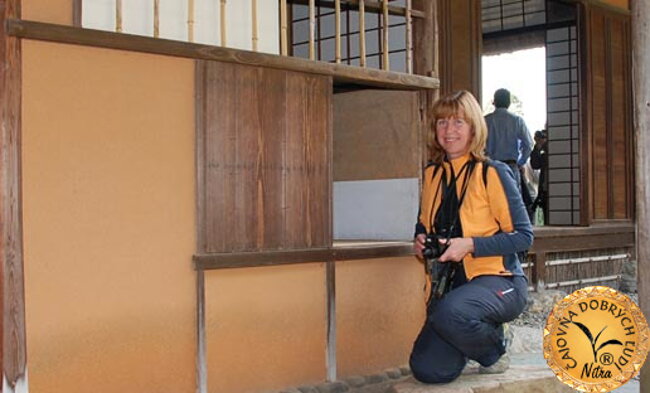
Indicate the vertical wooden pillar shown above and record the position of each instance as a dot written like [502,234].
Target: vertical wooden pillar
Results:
[641,85]
[460,43]
[14,354]
[425,62]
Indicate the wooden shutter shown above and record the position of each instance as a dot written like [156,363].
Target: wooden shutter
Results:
[263,151]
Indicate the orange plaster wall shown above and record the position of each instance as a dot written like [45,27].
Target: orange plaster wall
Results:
[265,327]
[380,308]
[108,217]
[50,11]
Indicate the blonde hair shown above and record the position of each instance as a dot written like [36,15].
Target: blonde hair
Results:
[460,104]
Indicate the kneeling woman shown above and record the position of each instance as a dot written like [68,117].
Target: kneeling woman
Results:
[473,207]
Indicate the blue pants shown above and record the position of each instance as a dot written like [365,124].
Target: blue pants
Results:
[466,324]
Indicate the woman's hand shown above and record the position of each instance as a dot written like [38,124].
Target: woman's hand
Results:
[418,244]
[458,248]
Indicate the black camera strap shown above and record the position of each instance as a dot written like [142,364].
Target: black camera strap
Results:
[449,207]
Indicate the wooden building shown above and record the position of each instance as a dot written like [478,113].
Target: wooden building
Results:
[184,209]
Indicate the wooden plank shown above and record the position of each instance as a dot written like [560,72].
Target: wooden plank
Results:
[269,125]
[12,347]
[599,115]
[340,72]
[641,81]
[268,258]
[220,130]
[307,160]
[621,185]
[591,242]
[312,255]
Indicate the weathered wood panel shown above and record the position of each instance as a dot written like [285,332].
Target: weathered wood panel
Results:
[13,347]
[264,140]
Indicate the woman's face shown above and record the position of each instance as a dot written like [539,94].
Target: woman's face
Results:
[454,135]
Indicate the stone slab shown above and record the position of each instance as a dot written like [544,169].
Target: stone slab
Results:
[519,378]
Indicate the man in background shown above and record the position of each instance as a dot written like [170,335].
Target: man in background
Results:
[539,161]
[508,137]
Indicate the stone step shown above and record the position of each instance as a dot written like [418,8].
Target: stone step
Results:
[529,378]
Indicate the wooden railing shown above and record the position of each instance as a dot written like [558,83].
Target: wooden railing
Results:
[381,7]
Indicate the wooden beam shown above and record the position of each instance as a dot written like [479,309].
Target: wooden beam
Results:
[13,349]
[340,72]
[641,82]
[588,242]
[287,257]
[372,6]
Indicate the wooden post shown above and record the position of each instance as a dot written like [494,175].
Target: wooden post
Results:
[77,6]
[641,85]
[284,37]
[312,29]
[409,38]
[222,24]
[254,21]
[385,64]
[190,20]
[13,347]
[424,63]
[539,272]
[337,30]
[118,16]
[362,33]
[156,18]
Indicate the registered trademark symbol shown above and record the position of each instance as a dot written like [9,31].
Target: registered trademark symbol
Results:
[606,358]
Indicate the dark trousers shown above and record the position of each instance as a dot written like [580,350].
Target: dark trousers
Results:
[466,324]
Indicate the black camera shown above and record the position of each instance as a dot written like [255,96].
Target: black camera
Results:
[442,274]
[432,247]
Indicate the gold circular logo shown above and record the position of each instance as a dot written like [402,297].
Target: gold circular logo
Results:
[595,339]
